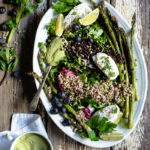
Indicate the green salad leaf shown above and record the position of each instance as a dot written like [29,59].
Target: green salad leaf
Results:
[101,126]
[8,60]
[51,27]
[63,6]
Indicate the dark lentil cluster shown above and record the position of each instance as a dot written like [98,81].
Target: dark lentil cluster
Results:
[86,50]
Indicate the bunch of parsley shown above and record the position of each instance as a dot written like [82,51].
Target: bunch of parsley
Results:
[100,126]
[64,6]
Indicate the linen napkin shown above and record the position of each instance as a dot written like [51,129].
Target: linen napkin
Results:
[21,123]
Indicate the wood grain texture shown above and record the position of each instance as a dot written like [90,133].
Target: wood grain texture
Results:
[16,94]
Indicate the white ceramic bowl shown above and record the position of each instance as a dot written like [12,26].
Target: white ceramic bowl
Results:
[15,141]
[141,73]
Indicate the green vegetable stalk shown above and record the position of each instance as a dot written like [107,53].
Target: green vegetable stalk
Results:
[133,74]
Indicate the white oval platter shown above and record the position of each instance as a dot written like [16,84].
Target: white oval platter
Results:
[141,73]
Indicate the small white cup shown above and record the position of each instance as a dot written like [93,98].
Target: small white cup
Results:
[15,141]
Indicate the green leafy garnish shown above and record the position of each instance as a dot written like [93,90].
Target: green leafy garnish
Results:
[63,6]
[115,111]
[51,27]
[74,13]
[101,126]
[8,60]
[112,74]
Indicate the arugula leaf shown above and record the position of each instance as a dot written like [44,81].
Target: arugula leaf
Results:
[63,6]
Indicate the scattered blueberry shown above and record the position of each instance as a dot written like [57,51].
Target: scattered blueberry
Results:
[90,40]
[66,101]
[75,27]
[54,110]
[3,27]
[2,10]
[55,100]
[85,32]
[78,38]
[62,95]
[66,122]
[59,104]
[16,74]
[63,110]
[12,13]
[2,41]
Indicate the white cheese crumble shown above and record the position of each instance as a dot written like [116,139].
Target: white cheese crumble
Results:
[79,11]
[111,112]
[107,65]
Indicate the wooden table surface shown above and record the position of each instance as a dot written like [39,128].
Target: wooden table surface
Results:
[16,94]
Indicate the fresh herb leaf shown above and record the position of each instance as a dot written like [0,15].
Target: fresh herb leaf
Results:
[11,24]
[115,110]
[8,61]
[51,27]
[101,125]
[74,13]
[63,6]
[112,74]
[93,136]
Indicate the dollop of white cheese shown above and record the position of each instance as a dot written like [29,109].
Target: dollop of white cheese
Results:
[78,11]
[111,112]
[107,65]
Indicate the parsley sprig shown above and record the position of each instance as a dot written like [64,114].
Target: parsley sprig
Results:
[24,9]
[100,126]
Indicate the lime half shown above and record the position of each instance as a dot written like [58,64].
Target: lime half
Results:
[112,136]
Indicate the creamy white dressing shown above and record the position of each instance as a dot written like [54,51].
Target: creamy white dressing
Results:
[111,112]
[79,11]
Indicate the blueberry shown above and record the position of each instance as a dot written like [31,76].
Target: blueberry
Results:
[59,104]
[66,101]
[78,38]
[75,27]
[90,40]
[54,110]
[66,122]
[3,27]
[63,110]
[55,100]
[62,95]
[12,13]
[2,41]
[85,32]
[16,74]
[2,10]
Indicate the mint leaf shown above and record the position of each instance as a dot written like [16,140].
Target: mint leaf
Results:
[51,27]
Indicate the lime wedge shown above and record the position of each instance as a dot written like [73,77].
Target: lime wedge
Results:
[112,136]
[90,18]
[118,118]
[59,25]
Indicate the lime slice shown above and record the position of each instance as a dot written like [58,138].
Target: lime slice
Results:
[112,136]
[59,25]
[118,118]
[90,18]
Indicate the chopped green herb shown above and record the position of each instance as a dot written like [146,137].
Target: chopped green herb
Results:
[115,111]
[101,126]
[51,27]
[112,74]
[74,13]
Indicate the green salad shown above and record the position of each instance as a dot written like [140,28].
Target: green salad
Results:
[92,83]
